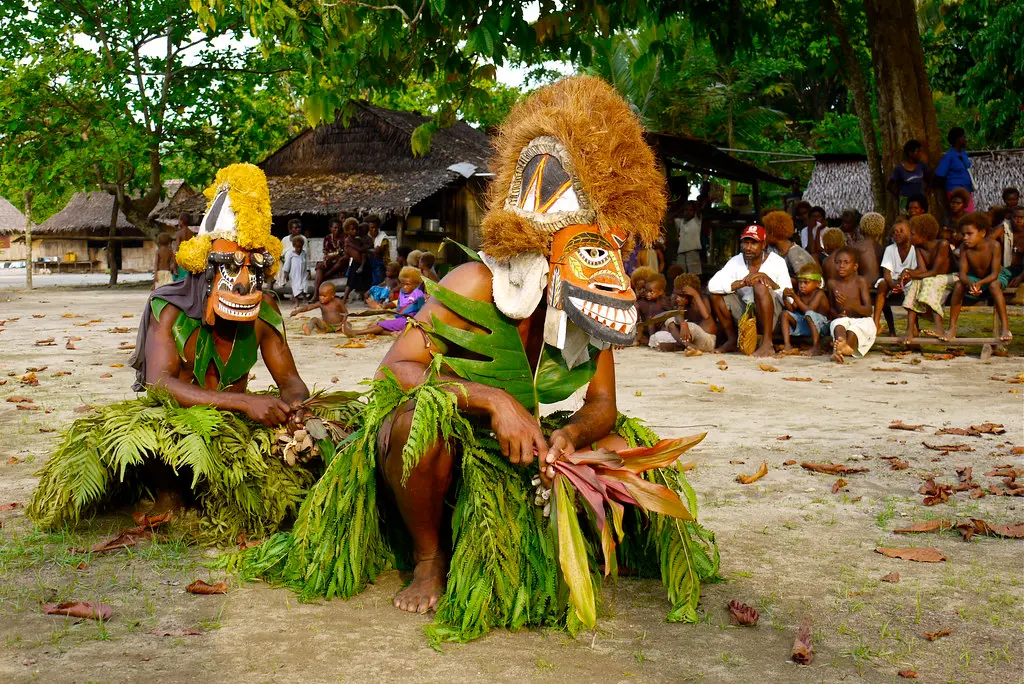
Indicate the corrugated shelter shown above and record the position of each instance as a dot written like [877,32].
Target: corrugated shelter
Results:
[839,181]
[366,165]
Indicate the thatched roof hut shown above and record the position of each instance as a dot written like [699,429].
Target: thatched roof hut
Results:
[365,166]
[11,219]
[87,214]
[842,180]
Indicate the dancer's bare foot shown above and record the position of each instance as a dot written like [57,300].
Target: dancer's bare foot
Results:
[427,586]
[765,350]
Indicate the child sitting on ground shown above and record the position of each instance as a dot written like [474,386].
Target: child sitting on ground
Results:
[410,301]
[296,267]
[981,260]
[853,329]
[387,291]
[931,281]
[639,280]
[695,329]
[332,308]
[806,311]
[832,239]
[959,200]
[165,267]
[427,271]
[899,258]
[652,304]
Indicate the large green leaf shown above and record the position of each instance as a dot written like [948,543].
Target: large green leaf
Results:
[572,554]
[555,381]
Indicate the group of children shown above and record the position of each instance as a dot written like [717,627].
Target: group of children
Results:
[845,282]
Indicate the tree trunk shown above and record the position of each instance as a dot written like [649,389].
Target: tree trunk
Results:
[113,246]
[857,86]
[905,107]
[28,239]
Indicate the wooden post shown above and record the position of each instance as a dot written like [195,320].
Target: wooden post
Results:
[28,239]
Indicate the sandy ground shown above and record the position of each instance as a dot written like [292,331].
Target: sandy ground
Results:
[790,547]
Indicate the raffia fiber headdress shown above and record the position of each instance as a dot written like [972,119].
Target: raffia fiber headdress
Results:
[589,128]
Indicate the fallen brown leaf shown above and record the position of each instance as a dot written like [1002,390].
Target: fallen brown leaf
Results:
[27,407]
[926,526]
[70,345]
[127,315]
[935,493]
[978,492]
[935,635]
[789,462]
[1018,450]
[749,479]
[888,369]
[832,468]
[352,345]
[334,379]
[80,609]
[947,447]
[105,376]
[900,425]
[939,357]
[897,464]
[70,315]
[117,365]
[144,520]
[14,460]
[982,527]
[20,400]
[201,587]
[736,461]
[798,379]
[892,578]
[839,484]
[742,614]
[784,438]
[716,388]
[907,674]
[122,330]
[767,368]
[803,645]
[38,315]
[36,369]
[58,374]
[126,346]
[9,506]
[30,379]
[191,631]
[84,408]
[919,554]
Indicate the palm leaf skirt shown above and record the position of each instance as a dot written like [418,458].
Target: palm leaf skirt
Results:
[504,569]
[237,482]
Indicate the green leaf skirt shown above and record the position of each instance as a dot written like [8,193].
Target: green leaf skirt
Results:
[238,484]
[504,569]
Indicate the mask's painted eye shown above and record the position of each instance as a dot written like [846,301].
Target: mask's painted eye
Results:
[257,258]
[239,259]
[230,270]
[594,257]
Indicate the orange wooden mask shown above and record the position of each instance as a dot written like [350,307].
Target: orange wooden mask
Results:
[235,277]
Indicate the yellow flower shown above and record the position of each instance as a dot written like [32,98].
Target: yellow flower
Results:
[275,248]
[192,254]
[250,202]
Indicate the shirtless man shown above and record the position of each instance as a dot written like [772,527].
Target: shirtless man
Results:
[853,329]
[981,261]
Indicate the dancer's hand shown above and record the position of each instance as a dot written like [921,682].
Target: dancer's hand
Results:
[562,445]
[516,430]
[269,411]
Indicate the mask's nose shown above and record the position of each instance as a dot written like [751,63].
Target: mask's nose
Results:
[243,284]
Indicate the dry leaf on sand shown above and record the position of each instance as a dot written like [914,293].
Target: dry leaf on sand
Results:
[201,587]
[947,447]
[919,554]
[798,379]
[838,484]
[105,376]
[742,614]
[20,400]
[767,368]
[900,425]
[897,464]
[9,506]
[716,388]
[803,646]
[975,526]
[79,609]
[789,462]
[926,526]
[352,345]
[48,342]
[935,635]
[749,479]
[832,468]
[908,674]
[892,578]
[191,631]
[784,438]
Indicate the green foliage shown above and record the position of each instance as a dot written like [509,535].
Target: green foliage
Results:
[240,485]
[837,134]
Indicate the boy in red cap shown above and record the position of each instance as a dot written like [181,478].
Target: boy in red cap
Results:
[753,280]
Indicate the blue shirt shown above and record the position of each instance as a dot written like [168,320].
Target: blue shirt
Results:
[953,168]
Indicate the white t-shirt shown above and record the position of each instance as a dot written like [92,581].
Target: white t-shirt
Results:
[736,268]
[891,260]
[689,234]
[392,245]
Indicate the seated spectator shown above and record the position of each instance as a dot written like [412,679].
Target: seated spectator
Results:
[869,247]
[639,279]
[958,202]
[853,329]
[752,281]
[832,240]
[653,303]
[334,260]
[778,226]
[427,261]
[800,211]
[929,283]
[387,291]
[810,236]
[899,258]
[694,330]
[850,223]
[402,255]
[917,205]
[981,262]
[807,311]
[410,301]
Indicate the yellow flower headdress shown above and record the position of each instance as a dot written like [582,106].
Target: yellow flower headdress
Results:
[238,209]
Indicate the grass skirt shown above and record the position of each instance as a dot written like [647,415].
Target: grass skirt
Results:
[504,569]
[239,485]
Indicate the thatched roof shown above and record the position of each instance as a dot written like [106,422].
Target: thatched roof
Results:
[367,165]
[11,220]
[88,213]
[841,181]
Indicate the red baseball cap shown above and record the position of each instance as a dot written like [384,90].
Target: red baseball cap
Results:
[753,232]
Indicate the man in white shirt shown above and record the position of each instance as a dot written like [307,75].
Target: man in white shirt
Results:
[751,277]
[380,238]
[294,228]
[689,225]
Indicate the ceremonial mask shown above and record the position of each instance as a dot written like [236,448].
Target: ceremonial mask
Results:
[235,278]
[586,276]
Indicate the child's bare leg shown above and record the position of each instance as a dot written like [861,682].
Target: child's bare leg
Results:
[890,320]
[911,327]
[883,289]
[724,318]
[838,342]
[938,325]
[306,330]
[356,332]
[999,301]
[815,342]
[319,326]
[787,320]
[954,311]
